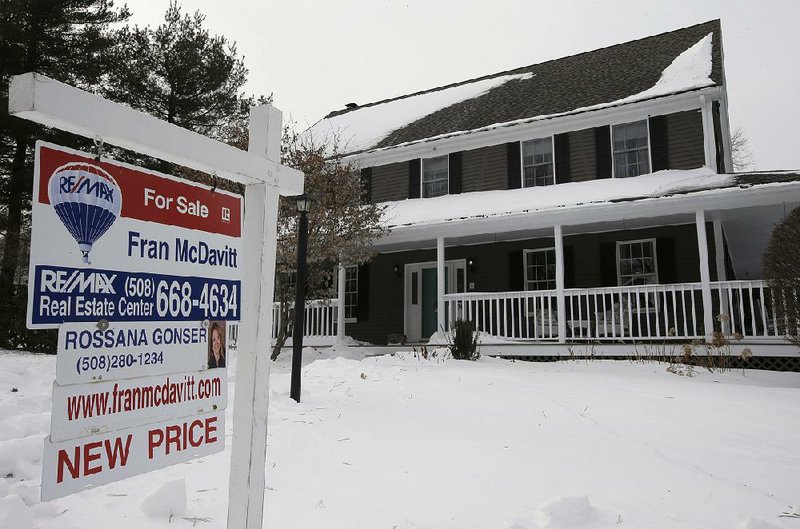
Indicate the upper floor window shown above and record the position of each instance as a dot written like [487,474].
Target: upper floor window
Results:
[636,262]
[631,153]
[537,162]
[435,176]
[540,269]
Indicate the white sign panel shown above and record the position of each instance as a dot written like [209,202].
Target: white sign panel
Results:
[76,465]
[87,353]
[80,410]
[115,242]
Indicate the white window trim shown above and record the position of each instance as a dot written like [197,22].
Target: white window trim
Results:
[633,241]
[525,264]
[336,289]
[422,174]
[646,119]
[522,159]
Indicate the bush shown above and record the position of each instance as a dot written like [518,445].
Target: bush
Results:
[463,341]
[781,260]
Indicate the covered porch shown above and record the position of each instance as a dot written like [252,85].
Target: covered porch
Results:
[707,277]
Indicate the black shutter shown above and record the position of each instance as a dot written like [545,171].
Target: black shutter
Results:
[569,267]
[659,148]
[602,147]
[414,175]
[363,293]
[514,165]
[665,254]
[608,263]
[516,272]
[455,173]
[366,185]
[561,148]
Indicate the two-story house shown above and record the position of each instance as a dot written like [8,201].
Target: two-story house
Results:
[585,199]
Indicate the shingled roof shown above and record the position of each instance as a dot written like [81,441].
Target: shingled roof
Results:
[608,75]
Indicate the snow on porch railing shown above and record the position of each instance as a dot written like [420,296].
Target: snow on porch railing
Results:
[528,315]
[750,308]
[320,319]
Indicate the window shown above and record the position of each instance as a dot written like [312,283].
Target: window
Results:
[537,162]
[636,262]
[631,154]
[350,292]
[435,176]
[540,269]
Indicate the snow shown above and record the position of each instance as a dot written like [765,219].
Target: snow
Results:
[366,126]
[420,211]
[401,441]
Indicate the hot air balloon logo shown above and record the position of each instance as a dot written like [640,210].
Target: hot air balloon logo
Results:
[87,199]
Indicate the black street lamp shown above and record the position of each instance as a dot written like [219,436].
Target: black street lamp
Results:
[303,207]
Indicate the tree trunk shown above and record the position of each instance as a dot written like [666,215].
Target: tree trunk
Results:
[11,250]
[286,317]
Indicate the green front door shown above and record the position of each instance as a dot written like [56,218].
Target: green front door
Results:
[429,301]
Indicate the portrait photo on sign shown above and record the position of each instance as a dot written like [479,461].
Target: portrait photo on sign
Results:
[216,344]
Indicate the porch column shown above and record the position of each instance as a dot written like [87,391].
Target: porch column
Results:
[709,145]
[340,305]
[705,274]
[561,305]
[719,254]
[440,321]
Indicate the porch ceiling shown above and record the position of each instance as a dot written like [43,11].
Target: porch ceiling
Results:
[750,209]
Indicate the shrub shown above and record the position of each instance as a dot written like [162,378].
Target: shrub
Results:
[781,271]
[463,341]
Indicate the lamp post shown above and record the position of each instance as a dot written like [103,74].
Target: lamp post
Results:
[303,207]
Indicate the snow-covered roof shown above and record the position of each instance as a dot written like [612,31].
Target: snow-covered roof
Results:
[675,62]
[486,204]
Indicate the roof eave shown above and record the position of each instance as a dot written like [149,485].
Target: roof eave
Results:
[574,215]
[534,127]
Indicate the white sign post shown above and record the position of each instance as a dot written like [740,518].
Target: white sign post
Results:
[37,98]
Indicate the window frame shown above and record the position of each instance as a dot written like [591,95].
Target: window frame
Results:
[525,254]
[336,289]
[649,147]
[522,160]
[422,176]
[650,240]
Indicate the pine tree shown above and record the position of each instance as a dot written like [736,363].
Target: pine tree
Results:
[67,41]
[181,74]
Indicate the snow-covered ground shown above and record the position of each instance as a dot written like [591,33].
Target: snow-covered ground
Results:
[402,442]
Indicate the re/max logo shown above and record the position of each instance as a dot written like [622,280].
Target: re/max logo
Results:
[62,281]
[98,188]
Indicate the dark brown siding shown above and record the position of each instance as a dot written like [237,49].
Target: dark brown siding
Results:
[685,140]
[484,169]
[581,155]
[390,182]
[491,271]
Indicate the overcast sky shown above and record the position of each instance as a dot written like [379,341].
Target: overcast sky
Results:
[317,55]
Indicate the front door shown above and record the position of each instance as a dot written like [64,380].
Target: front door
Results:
[429,302]
[420,298]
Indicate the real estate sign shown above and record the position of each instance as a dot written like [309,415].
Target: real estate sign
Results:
[141,273]
[114,242]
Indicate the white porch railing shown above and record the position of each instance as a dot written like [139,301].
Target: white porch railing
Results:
[529,315]
[750,309]
[320,319]
[641,312]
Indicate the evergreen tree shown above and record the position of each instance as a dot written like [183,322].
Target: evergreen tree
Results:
[181,74]
[65,40]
